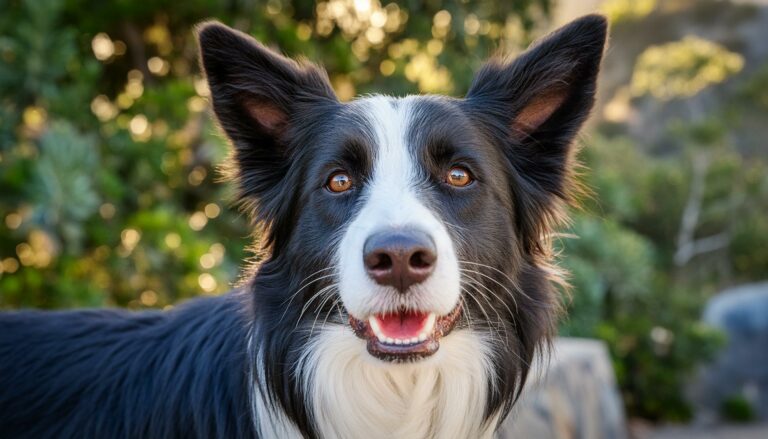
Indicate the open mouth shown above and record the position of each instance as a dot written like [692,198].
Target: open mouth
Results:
[404,335]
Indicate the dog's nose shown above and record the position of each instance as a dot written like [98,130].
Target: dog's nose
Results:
[399,258]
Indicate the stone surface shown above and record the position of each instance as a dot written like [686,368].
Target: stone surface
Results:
[574,398]
[758,431]
[741,368]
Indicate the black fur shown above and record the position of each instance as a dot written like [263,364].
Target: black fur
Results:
[185,373]
[117,374]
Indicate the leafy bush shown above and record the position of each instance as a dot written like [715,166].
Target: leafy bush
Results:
[737,409]
[622,292]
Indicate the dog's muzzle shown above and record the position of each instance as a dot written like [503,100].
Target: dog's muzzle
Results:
[401,259]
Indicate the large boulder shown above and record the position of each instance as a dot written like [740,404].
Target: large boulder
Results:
[741,368]
[574,396]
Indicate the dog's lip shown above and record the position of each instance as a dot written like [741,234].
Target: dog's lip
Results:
[426,343]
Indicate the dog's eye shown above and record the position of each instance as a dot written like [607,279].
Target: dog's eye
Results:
[458,176]
[339,182]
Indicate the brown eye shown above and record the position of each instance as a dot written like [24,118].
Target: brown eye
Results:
[458,176]
[339,182]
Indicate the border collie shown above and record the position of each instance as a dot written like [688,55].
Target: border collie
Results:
[408,282]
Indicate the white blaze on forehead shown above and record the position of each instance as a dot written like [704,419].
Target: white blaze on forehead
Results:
[391,200]
[394,173]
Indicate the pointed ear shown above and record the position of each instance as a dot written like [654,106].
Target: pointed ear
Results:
[551,83]
[533,108]
[256,91]
[260,99]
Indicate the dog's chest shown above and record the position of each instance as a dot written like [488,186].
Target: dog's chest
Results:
[352,395]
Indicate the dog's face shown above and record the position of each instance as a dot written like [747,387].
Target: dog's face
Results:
[407,218]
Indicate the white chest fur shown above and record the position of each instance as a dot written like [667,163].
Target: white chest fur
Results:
[353,395]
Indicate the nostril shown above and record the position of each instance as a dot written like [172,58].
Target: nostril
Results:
[421,260]
[382,262]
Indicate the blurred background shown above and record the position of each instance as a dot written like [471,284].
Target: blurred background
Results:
[110,196]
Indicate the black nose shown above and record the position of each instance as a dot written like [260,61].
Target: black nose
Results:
[399,258]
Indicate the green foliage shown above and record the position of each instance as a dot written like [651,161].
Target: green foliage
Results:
[683,68]
[619,11]
[737,409]
[62,188]
[610,266]
[623,290]
[629,291]
[656,343]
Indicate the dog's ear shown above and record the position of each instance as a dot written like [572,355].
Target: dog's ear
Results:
[259,98]
[256,92]
[534,107]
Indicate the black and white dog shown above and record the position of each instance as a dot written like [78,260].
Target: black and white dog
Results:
[408,283]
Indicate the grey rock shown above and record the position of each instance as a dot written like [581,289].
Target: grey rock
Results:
[742,310]
[741,368]
[574,396]
[756,431]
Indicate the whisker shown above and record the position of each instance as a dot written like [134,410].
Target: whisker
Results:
[482,310]
[480,284]
[466,311]
[308,281]
[455,226]
[504,287]
[514,282]
[506,340]
[333,307]
[312,299]
[490,267]
[319,310]
[303,286]
[500,321]
[459,233]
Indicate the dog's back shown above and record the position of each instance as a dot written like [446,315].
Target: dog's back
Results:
[112,374]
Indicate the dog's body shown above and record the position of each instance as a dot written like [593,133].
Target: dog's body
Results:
[407,286]
[114,374]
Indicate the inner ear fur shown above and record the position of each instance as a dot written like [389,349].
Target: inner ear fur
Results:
[269,116]
[537,111]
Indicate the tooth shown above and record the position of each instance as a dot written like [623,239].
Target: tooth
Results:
[374,324]
[422,336]
[390,340]
[398,341]
[414,340]
[430,322]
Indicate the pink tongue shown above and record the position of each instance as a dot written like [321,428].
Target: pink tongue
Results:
[403,324]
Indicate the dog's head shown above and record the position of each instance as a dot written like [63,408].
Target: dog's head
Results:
[407,218]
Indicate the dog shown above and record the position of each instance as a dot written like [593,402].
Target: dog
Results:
[408,280]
